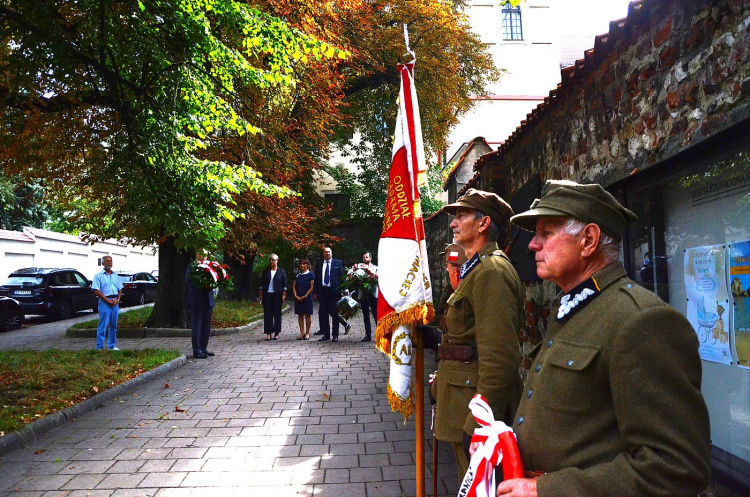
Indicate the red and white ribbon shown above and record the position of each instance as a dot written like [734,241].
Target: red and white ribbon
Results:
[497,443]
[207,266]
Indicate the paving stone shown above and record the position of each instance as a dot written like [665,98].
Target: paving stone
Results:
[135,492]
[336,476]
[83,482]
[365,475]
[156,465]
[383,489]
[338,489]
[128,466]
[121,480]
[160,480]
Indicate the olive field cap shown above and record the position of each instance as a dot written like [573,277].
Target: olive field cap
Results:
[488,203]
[454,255]
[587,203]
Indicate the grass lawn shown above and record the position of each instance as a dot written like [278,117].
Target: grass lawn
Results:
[36,383]
[227,314]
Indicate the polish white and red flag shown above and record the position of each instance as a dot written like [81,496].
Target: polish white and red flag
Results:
[405,297]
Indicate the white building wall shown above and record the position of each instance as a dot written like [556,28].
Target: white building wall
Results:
[41,248]
[531,68]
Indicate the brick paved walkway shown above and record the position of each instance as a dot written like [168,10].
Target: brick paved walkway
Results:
[281,418]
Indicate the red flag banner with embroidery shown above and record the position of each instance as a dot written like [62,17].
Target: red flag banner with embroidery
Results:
[405,297]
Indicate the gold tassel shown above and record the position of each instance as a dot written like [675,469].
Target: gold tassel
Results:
[403,406]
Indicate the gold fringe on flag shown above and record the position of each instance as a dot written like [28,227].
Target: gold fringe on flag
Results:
[418,313]
[403,406]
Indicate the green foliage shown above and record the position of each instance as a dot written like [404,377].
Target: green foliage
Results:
[24,204]
[119,105]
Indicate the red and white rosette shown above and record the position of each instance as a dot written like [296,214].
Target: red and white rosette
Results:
[497,444]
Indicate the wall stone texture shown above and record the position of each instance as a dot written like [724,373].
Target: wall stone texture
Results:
[674,73]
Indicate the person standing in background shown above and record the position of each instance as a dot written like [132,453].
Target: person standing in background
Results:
[272,295]
[200,303]
[108,289]
[328,276]
[303,302]
[369,302]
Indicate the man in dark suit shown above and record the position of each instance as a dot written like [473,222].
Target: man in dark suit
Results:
[328,276]
[200,303]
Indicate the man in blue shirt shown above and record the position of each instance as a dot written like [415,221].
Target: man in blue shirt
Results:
[108,289]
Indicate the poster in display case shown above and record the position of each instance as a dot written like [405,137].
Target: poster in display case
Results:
[739,275]
[708,300]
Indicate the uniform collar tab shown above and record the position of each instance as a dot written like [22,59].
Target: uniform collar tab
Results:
[468,266]
[577,298]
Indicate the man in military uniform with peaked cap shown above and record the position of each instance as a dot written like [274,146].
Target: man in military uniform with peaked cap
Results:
[612,404]
[479,349]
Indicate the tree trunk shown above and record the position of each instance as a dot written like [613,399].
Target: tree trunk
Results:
[171,292]
[242,276]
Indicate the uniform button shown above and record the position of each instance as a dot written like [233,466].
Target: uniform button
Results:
[549,344]
[538,367]
[468,382]
[629,285]
[570,362]
[529,393]
[483,257]
[520,420]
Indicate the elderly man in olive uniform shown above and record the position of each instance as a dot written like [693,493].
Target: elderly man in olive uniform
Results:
[479,349]
[612,404]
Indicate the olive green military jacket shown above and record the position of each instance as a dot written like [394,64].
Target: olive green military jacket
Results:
[612,404]
[485,312]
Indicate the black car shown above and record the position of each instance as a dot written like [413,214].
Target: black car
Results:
[11,314]
[138,288]
[54,292]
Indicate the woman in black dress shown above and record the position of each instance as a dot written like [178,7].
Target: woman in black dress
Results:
[303,302]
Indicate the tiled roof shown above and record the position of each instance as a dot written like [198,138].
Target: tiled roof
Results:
[15,236]
[52,235]
[592,58]
[466,149]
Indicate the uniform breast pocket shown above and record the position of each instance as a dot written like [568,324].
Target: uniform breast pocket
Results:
[457,318]
[567,377]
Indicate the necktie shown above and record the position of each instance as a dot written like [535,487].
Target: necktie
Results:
[327,277]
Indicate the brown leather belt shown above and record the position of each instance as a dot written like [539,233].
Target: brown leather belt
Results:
[456,353]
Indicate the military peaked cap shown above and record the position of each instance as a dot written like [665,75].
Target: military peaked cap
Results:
[454,255]
[587,203]
[488,203]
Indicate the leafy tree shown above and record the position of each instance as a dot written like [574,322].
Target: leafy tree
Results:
[24,204]
[116,102]
[452,64]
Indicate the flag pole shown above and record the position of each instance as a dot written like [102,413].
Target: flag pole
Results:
[419,407]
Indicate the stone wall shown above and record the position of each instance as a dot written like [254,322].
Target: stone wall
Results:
[437,235]
[669,76]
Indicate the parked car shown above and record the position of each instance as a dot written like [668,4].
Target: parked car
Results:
[138,288]
[54,292]
[11,314]
[155,274]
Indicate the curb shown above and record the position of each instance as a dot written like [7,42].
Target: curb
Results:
[32,431]
[169,332]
